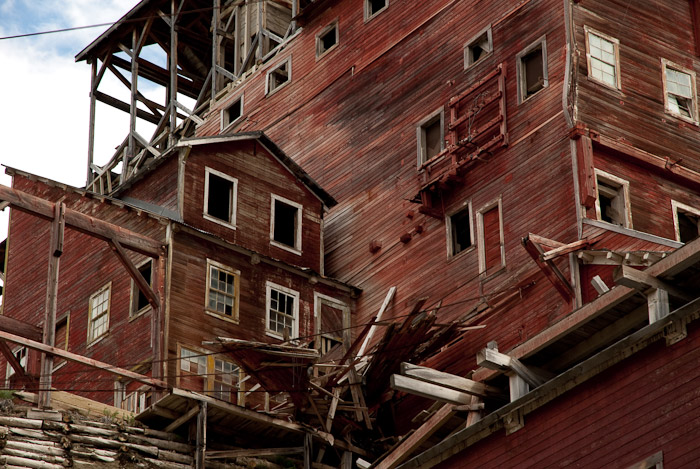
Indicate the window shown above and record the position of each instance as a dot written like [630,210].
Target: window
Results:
[98,314]
[21,354]
[232,113]
[285,224]
[532,69]
[222,290]
[136,401]
[203,371]
[430,133]
[374,7]
[491,240]
[478,48]
[686,221]
[220,197]
[655,461]
[139,302]
[603,57]
[612,205]
[61,338]
[459,230]
[282,311]
[327,39]
[278,76]
[680,97]
[331,320]
[224,380]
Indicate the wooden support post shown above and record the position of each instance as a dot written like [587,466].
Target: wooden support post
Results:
[172,91]
[177,423]
[657,301]
[158,319]
[493,359]
[477,406]
[550,271]
[695,13]
[216,7]
[91,124]
[49,335]
[308,450]
[133,271]
[201,436]
[518,387]
[131,151]
[640,280]
[586,173]
[359,398]
[346,460]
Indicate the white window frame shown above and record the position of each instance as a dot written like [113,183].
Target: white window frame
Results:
[319,300]
[589,58]
[520,72]
[288,61]
[231,223]
[236,290]
[667,64]
[469,61]
[370,16]
[91,338]
[133,298]
[680,207]
[421,136]
[448,227]
[23,360]
[296,249]
[319,43]
[623,185]
[481,237]
[269,286]
[225,123]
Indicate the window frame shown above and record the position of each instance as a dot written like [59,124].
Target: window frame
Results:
[481,235]
[91,339]
[616,51]
[225,123]
[23,361]
[421,136]
[464,206]
[234,198]
[208,374]
[269,286]
[297,248]
[521,76]
[319,300]
[667,64]
[370,16]
[135,292]
[469,62]
[328,28]
[236,289]
[622,184]
[681,207]
[271,70]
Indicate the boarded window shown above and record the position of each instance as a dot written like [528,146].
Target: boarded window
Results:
[222,290]
[98,315]
[279,76]
[532,70]
[327,39]
[492,239]
[285,230]
[478,48]
[603,58]
[460,231]
[139,301]
[430,134]
[220,197]
[612,205]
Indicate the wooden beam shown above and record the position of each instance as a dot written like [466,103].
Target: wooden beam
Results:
[451,381]
[20,328]
[493,359]
[256,452]
[550,271]
[182,419]
[74,357]
[417,438]
[82,222]
[586,173]
[428,390]
[201,440]
[565,249]
[133,271]
[14,363]
[122,106]
[385,305]
[542,241]
[640,280]
[657,302]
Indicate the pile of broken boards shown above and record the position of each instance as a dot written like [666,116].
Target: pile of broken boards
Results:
[341,393]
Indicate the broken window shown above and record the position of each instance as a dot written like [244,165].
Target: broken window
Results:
[686,221]
[532,69]
[374,7]
[232,113]
[98,313]
[603,58]
[279,76]
[220,197]
[139,302]
[478,48]
[285,224]
[21,354]
[491,239]
[282,311]
[224,380]
[459,231]
[612,205]
[679,91]
[222,290]
[332,318]
[193,369]
[431,136]
[327,39]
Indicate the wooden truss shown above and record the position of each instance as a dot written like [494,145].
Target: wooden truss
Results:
[208,45]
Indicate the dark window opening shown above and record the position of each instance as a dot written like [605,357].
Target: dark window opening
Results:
[687,227]
[478,49]
[611,199]
[234,111]
[375,6]
[433,139]
[219,197]
[278,77]
[285,230]
[461,231]
[146,271]
[533,72]
[328,39]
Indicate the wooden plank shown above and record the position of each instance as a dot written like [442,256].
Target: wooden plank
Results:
[20,328]
[550,271]
[431,391]
[585,169]
[134,273]
[565,249]
[640,280]
[181,420]
[255,452]
[451,381]
[83,360]
[200,455]
[493,359]
[385,305]
[13,362]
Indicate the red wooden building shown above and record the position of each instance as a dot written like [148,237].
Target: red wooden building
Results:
[526,173]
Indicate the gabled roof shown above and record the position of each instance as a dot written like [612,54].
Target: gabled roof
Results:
[275,151]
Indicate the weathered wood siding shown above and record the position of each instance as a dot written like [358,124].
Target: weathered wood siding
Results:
[259,175]
[646,404]
[158,187]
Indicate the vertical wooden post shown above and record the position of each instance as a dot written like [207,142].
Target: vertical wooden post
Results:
[157,323]
[518,387]
[259,52]
[346,461]
[131,152]
[201,436]
[294,14]
[214,47]
[49,336]
[308,450]
[173,73]
[657,301]
[237,58]
[91,128]
[695,13]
